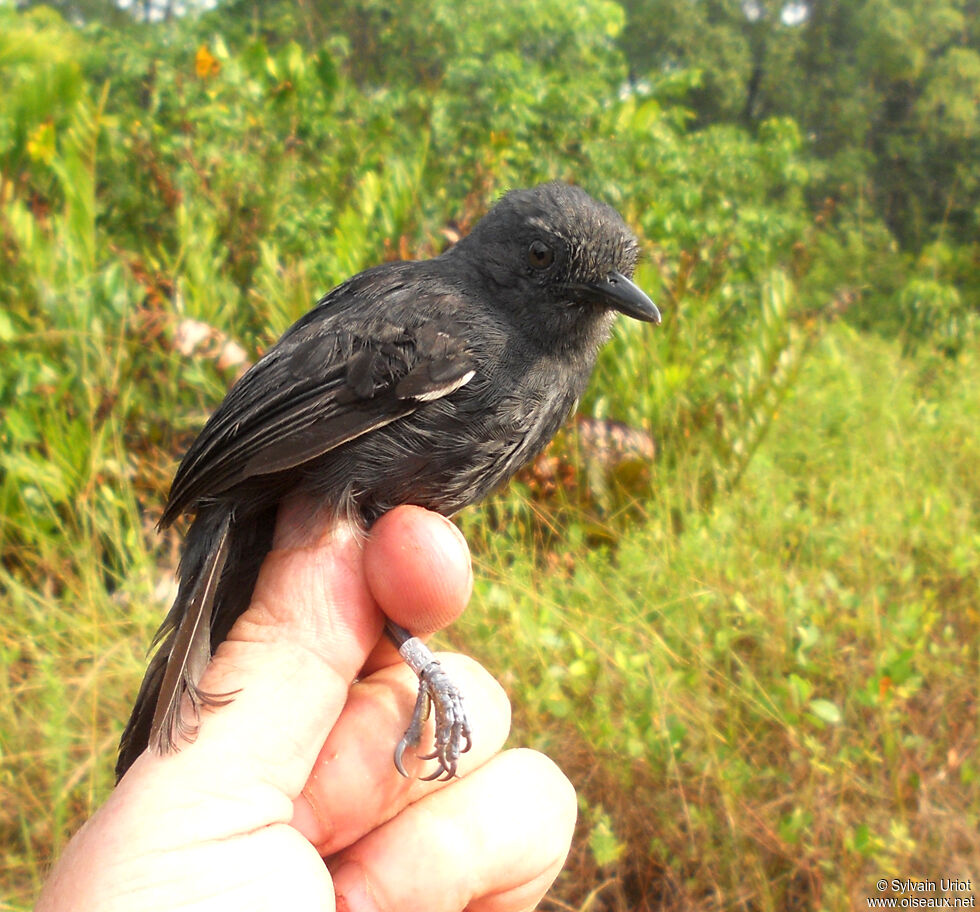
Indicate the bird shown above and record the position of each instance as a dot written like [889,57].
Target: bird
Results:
[425,382]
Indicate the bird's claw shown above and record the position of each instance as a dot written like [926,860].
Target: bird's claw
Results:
[453,735]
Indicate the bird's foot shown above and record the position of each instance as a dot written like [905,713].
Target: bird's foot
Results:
[436,691]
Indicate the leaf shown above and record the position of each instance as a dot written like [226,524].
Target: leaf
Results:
[326,70]
[7,330]
[606,848]
[827,711]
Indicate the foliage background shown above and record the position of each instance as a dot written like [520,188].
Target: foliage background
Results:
[756,654]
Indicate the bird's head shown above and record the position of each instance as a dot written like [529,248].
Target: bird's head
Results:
[559,259]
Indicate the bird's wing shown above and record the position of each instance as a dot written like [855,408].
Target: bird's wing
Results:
[319,387]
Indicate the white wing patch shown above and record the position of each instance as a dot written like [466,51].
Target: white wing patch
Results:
[446,390]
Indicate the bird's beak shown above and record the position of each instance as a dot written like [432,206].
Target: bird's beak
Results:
[619,293]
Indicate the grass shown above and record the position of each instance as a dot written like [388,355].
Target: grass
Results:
[757,658]
[765,693]
[767,706]
[775,706]
[758,663]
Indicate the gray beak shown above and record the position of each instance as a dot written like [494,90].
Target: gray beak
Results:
[619,293]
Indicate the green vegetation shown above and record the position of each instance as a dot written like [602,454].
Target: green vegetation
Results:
[757,657]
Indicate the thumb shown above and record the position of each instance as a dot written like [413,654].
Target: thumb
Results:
[288,662]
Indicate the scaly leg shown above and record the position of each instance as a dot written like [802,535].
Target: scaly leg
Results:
[437,690]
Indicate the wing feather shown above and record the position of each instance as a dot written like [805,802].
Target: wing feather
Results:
[321,386]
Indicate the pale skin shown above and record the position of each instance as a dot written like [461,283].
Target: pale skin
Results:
[288,798]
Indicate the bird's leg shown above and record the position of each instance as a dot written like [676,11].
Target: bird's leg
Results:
[436,690]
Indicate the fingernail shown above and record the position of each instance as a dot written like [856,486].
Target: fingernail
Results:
[465,549]
[456,532]
[350,885]
[454,527]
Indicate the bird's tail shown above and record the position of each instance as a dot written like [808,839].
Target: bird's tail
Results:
[206,606]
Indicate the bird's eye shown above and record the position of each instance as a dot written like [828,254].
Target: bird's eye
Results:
[540,255]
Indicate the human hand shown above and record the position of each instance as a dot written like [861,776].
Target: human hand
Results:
[289,798]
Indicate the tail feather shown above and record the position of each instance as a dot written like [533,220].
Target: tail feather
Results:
[190,651]
[183,646]
[207,605]
[137,733]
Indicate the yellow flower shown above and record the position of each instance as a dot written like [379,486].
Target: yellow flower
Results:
[40,144]
[205,63]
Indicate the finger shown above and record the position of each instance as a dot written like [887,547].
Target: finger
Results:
[287,664]
[418,569]
[354,786]
[493,841]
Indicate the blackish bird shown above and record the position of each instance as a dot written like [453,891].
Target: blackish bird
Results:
[426,383]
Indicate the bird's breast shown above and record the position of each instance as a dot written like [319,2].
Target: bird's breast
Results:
[452,452]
